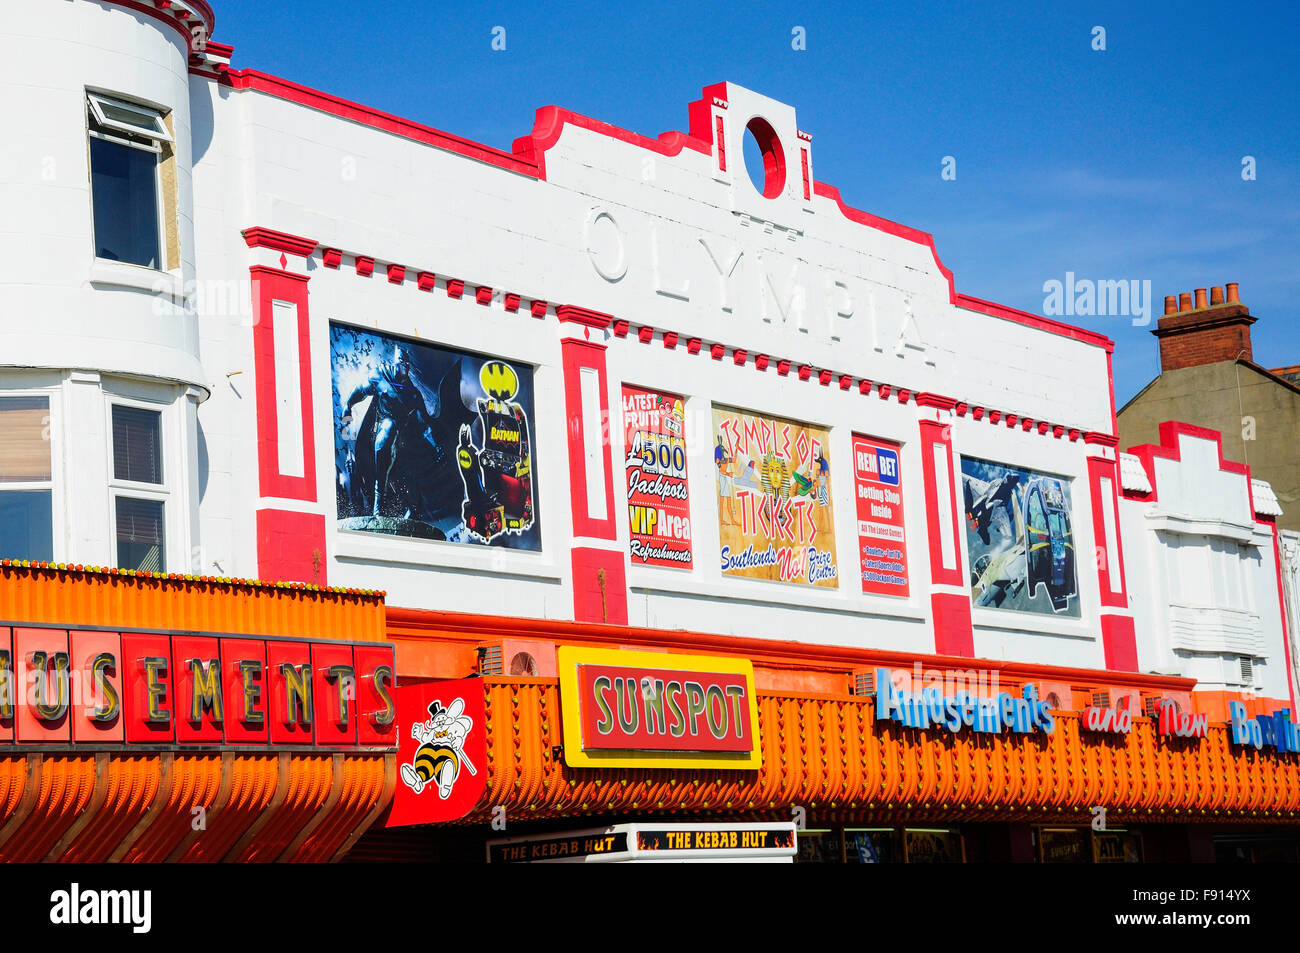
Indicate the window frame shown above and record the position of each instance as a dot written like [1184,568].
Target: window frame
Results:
[121,134]
[165,492]
[58,516]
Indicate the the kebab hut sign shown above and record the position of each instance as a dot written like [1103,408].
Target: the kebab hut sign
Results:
[656,710]
[92,686]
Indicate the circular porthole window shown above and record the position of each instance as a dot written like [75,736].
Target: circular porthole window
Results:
[764,158]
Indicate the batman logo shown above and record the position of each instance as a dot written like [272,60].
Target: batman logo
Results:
[466,461]
[499,380]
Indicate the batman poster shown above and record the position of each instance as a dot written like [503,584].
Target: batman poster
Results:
[432,443]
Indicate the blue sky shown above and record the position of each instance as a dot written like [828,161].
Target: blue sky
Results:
[1122,163]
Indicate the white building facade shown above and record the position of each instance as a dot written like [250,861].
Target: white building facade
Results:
[253,330]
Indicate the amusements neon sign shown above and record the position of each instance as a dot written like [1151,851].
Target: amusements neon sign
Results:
[931,708]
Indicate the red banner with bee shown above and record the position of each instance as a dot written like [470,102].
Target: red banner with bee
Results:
[658,503]
[441,754]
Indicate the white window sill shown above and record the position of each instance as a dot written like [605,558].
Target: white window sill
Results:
[104,272]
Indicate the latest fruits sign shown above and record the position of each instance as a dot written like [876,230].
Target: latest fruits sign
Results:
[775,518]
[658,500]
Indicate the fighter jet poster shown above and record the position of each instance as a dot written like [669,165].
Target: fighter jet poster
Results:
[432,443]
[1020,539]
[774,499]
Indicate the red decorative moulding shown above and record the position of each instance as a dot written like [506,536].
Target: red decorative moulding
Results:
[845,382]
[539,309]
[1011,420]
[511,302]
[824,378]
[1043,426]
[620,329]
[1074,435]
[645,335]
[396,274]
[760,362]
[903,394]
[596,320]
[738,357]
[805,372]
[1026,424]
[693,346]
[883,391]
[783,368]
[483,294]
[864,388]
[1058,431]
[365,266]
[332,258]
[995,416]
[670,339]
[961,409]
[455,287]
[716,352]
[426,280]
[258,237]
[977,413]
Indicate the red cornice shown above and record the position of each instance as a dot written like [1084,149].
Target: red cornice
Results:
[480,628]
[1102,439]
[170,19]
[927,399]
[592,319]
[259,237]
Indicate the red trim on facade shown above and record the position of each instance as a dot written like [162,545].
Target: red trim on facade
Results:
[483,294]
[1119,643]
[1169,449]
[953,632]
[511,303]
[455,287]
[272,285]
[807,190]
[256,81]
[1035,321]
[291,546]
[1099,468]
[693,346]
[721,140]
[670,339]
[599,586]
[332,258]
[365,266]
[576,355]
[538,309]
[596,320]
[202,9]
[396,274]
[716,351]
[426,281]
[761,361]
[1286,632]
[738,357]
[645,335]
[260,237]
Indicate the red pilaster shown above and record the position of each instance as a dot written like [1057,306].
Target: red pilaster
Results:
[1118,637]
[287,539]
[949,593]
[599,576]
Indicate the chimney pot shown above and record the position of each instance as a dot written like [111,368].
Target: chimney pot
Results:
[1216,294]
[1200,297]
[1185,301]
[1171,304]
[1232,293]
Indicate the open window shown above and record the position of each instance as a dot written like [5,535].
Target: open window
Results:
[130,159]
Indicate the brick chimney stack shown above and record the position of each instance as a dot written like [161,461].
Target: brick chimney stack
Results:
[1204,332]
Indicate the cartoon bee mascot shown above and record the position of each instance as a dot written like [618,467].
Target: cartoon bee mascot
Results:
[441,753]
[498,475]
